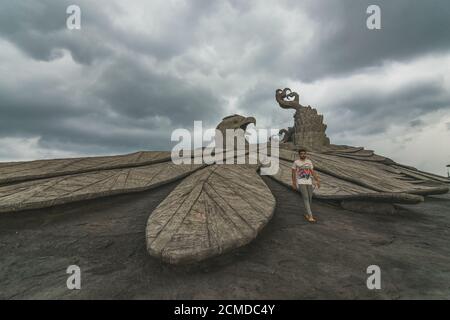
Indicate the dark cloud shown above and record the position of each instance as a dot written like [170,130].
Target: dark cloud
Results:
[138,74]
[343,44]
[260,102]
[340,42]
[368,113]
[39,29]
[416,123]
[136,92]
[127,107]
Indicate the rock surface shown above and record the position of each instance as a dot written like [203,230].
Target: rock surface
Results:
[290,259]
[368,207]
[11,172]
[214,210]
[344,178]
[49,192]
[309,130]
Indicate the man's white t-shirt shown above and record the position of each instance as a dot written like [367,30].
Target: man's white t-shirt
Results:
[303,171]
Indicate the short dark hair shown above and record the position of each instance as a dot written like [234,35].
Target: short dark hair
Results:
[301,150]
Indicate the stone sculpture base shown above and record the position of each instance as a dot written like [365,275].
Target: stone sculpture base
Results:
[310,130]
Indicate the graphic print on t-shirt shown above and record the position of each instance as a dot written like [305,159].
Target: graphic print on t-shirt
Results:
[303,173]
[303,170]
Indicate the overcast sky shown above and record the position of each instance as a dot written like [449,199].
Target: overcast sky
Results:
[139,69]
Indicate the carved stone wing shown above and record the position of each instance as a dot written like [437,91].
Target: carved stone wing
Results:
[30,170]
[216,209]
[48,192]
[345,178]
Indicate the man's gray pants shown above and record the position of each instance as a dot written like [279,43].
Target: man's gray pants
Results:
[307,192]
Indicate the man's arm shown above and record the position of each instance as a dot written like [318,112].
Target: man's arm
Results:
[294,178]
[316,178]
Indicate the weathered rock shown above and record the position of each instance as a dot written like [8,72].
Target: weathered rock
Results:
[288,135]
[11,172]
[235,122]
[368,207]
[309,129]
[217,208]
[49,192]
[214,210]
[333,188]
[344,177]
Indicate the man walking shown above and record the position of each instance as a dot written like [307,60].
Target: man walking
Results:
[304,178]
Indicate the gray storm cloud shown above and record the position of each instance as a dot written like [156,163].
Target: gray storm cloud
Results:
[138,70]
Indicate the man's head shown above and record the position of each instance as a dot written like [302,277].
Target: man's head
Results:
[302,154]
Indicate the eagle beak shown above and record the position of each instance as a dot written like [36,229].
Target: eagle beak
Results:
[247,121]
